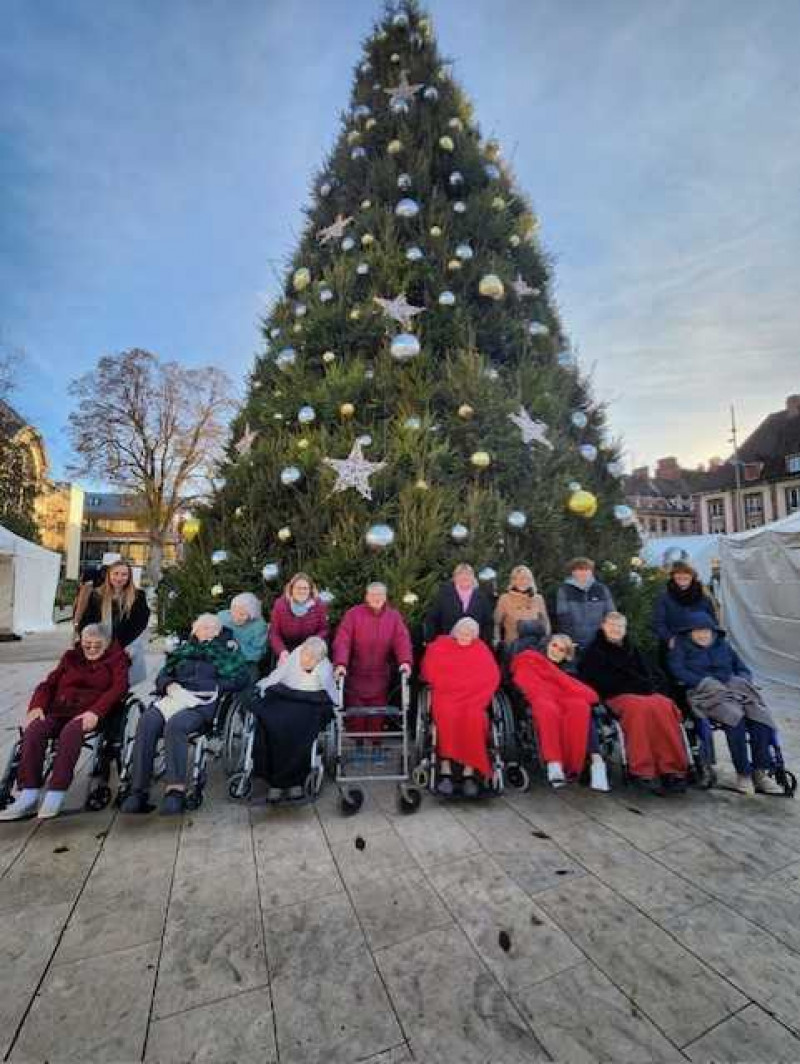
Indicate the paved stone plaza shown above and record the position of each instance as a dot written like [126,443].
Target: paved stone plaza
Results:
[634,928]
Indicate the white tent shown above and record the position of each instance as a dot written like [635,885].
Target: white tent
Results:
[760,573]
[699,551]
[28,583]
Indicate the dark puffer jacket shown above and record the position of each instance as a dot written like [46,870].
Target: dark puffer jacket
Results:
[674,607]
[78,685]
[580,610]
[690,664]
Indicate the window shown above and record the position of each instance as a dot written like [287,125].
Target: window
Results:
[754,510]
[716,516]
[792,500]
[793,463]
[664,524]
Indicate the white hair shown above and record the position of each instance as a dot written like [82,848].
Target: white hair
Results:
[376,585]
[248,602]
[315,646]
[208,618]
[97,631]
[466,624]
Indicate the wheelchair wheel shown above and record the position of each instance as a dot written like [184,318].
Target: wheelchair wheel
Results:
[422,724]
[507,727]
[98,798]
[420,776]
[786,779]
[518,777]
[313,784]
[240,787]
[194,799]
[233,738]
[329,749]
[409,799]
[351,801]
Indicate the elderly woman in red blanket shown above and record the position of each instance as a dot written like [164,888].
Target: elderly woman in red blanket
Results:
[463,676]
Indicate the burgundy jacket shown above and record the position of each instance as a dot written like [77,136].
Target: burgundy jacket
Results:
[77,685]
[287,631]
[366,643]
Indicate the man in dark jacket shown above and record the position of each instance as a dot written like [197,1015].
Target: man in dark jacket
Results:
[194,675]
[458,598]
[581,603]
[86,685]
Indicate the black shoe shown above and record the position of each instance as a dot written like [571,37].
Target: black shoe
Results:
[137,802]
[674,784]
[172,804]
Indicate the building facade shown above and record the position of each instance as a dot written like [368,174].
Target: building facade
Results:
[664,501]
[767,486]
[113,524]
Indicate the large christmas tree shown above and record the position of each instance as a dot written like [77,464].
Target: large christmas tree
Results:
[417,401]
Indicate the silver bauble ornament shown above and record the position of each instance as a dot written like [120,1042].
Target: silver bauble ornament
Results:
[459,533]
[460,207]
[361,111]
[447,298]
[328,357]
[624,514]
[404,346]
[404,182]
[325,295]
[413,423]
[217,590]
[271,571]
[290,475]
[456,179]
[616,469]
[538,328]
[491,373]
[407,208]
[362,269]
[326,596]
[365,67]
[274,333]
[365,440]
[588,451]
[464,252]
[394,57]
[579,419]
[487,574]
[635,578]
[358,153]
[431,94]
[415,254]
[379,537]
[516,519]
[456,124]
[348,244]
[492,171]
[286,358]
[218,557]
[306,414]
[399,107]
[400,20]
[574,486]
[300,310]
[325,189]
[410,598]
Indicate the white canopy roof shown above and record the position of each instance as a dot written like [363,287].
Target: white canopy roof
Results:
[28,583]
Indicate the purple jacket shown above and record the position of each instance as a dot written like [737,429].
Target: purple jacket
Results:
[287,631]
[365,643]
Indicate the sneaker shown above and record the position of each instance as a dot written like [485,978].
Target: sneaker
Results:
[51,805]
[598,776]
[763,783]
[172,804]
[744,785]
[555,774]
[470,788]
[23,806]
[136,802]
[296,794]
[445,787]
[274,794]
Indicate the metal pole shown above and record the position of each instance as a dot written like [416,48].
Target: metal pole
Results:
[737,466]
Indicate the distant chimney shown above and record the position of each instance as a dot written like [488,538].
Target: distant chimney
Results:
[642,473]
[793,405]
[668,469]
[701,468]
[714,464]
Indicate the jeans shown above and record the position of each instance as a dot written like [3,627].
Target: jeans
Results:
[176,743]
[760,741]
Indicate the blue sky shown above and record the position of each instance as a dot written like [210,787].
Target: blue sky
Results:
[155,155]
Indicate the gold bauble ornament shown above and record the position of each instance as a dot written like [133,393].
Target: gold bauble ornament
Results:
[298,327]
[435,230]
[328,357]
[481,459]
[422,484]
[492,149]
[302,444]
[301,278]
[465,411]
[191,529]
[217,590]
[491,286]
[284,534]
[498,203]
[366,204]
[367,239]
[514,240]
[353,137]
[370,123]
[582,503]
[394,147]
[355,314]
[347,410]
[454,264]
[446,143]
[410,598]
[456,124]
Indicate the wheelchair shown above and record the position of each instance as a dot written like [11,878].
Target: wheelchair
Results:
[505,755]
[200,744]
[107,746]
[700,732]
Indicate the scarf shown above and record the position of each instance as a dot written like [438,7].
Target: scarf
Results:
[581,587]
[227,659]
[292,674]
[689,596]
[300,609]
[464,596]
[529,591]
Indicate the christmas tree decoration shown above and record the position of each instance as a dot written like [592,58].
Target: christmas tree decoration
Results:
[366,204]
[447,299]
[361,111]
[616,469]
[300,310]
[465,411]
[636,562]
[635,578]
[284,534]
[625,515]
[413,424]
[404,182]
[431,94]
[404,346]
[464,252]
[453,265]
[538,328]
[574,485]
[325,189]
[514,240]
[328,357]
[379,537]
[459,533]
[326,596]
[582,503]
[348,244]
[217,590]
[244,444]
[522,288]
[358,153]
[298,328]
[481,459]
[446,143]
[422,485]
[354,471]
[435,230]
[532,431]
[459,207]
[302,444]
[301,278]
[290,475]
[306,414]
[218,557]
[579,419]
[334,231]
[491,373]
[456,179]
[270,572]
[410,598]
[362,269]
[588,451]
[370,124]
[491,287]
[487,574]
[516,520]
[286,358]
[400,20]
[415,253]
[403,92]
[367,240]
[407,208]
[399,309]
[492,172]
[456,124]
[347,410]
[325,295]
[394,58]
[394,147]
[353,137]
[498,204]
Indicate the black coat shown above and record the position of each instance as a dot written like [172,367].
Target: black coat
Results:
[447,610]
[617,669]
[123,629]
[289,722]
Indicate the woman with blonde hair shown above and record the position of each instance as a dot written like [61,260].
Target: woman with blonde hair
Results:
[296,615]
[122,609]
[521,602]
[458,598]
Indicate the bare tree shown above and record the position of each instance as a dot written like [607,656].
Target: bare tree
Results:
[154,428]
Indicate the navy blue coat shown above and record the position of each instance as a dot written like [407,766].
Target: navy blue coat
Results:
[690,663]
[671,615]
[580,611]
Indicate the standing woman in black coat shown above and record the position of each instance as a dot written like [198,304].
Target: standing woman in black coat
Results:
[122,609]
[458,598]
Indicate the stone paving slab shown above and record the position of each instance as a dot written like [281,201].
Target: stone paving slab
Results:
[636,928]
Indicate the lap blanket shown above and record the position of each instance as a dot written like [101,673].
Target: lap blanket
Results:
[727,703]
[290,721]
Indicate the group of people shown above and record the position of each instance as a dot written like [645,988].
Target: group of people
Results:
[472,646]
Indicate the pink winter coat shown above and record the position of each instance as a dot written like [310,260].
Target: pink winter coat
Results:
[287,631]
[365,643]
